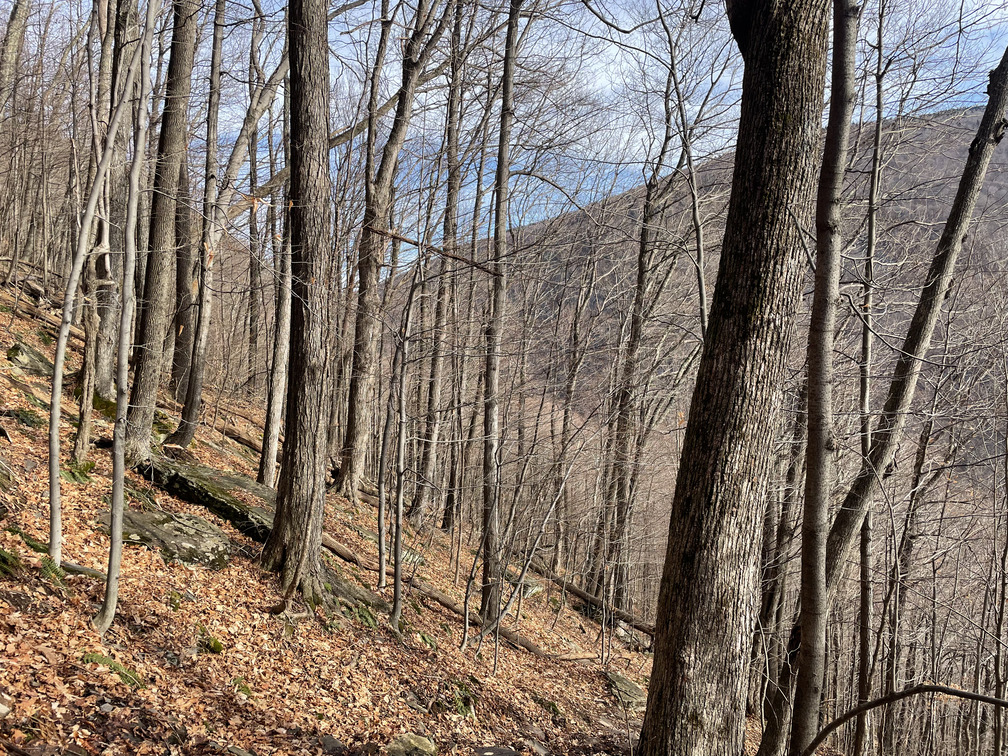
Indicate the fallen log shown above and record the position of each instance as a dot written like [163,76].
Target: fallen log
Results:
[432,593]
[634,622]
[28,307]
[211,489]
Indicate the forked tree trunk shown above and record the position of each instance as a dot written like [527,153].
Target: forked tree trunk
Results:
[295,542]
[847,523]
[379,185]
[708,597]
[73,279]
[109,306]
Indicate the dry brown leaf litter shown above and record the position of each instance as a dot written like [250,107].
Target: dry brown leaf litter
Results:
[276,687]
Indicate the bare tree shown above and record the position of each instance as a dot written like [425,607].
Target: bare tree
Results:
[707,600]
[295,542]
[154,313]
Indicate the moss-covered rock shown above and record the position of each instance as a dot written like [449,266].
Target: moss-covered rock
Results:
[30,360]
[186,538]
[211,489]
[627,692]
[214,489]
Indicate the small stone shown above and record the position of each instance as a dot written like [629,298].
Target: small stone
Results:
[536,747]
[5,710]
[236,751]
[535,732]
[494,751]
[332,745]
[409,744]
[414,703]
[106,708]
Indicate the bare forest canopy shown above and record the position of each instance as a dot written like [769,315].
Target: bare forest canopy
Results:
[695,310]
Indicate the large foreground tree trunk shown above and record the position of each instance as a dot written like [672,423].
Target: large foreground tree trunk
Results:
[295,543]
[708,597]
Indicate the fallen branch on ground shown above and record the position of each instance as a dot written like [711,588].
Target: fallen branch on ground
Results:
[634,622]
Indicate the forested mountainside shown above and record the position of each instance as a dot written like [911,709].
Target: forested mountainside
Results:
[439,376]
[196,663]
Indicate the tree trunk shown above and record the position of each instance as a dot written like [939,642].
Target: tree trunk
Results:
[186,288]
[278,371]
[254,274]
[217,194]
[155,312]
[820,472]
[423,38]
[13,38]
[847,522]
[82,439]
[492,569]
[73,279]
[708,597]
[294,544]
[107,612]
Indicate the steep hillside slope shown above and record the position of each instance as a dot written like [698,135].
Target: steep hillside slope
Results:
[195,663]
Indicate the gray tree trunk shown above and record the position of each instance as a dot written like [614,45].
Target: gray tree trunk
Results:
[278,371]
[106,614]
[295,542]
[155,313]
[186,288]
[820,472]
[708,599]
[490,596]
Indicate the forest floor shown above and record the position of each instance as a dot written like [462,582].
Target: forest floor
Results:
[196,664]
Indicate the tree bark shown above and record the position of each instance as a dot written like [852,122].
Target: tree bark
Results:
[708,597]
[295,541]
[490,596]
[155,312]
[820,467]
